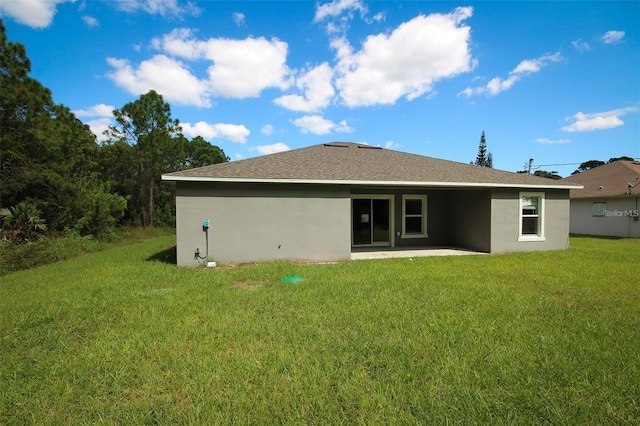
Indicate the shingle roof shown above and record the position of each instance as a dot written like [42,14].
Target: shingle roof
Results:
[352,163]
[609,180]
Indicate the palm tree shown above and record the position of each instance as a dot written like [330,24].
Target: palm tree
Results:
[22,222]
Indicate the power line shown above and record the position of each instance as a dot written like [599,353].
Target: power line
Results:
[537,166]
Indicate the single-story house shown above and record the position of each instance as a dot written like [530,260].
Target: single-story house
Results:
[324,201]
[608,204]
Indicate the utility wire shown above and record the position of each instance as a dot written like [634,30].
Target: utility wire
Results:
[537,166]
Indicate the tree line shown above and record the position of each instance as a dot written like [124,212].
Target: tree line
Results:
[54,174]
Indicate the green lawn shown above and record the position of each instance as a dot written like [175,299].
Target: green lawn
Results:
[121,337]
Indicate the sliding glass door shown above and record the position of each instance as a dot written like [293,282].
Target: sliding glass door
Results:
[370,221]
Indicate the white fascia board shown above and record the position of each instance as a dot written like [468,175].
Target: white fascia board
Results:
[366,182]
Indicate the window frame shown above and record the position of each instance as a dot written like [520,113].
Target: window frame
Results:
[423,199]
[599,209]
[539,235]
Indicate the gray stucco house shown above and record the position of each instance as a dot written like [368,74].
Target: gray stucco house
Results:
[608,204]
[321,202]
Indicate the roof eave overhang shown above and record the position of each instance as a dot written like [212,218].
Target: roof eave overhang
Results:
[173,178]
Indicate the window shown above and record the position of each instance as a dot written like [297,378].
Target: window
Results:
[531,216]
[599,209]
[414,216]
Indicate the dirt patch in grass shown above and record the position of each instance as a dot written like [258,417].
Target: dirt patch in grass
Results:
[250,284]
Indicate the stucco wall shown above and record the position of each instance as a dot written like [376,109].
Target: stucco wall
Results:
[250,222]
[505,218]
[619,222]
[469,219]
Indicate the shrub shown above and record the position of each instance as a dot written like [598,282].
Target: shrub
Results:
[22,223]
[102,213]
[17,257]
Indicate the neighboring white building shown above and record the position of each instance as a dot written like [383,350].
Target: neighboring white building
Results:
[608,204]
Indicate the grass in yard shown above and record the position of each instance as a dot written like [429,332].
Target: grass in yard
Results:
[122,337]
[55,249]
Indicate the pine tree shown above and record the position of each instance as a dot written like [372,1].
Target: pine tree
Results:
[147,127]
[483,158]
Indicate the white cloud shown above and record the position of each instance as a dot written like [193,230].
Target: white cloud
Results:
[160,7]
[33,13]
[406,62]
[102,118]
[468,92]
[100,110]
[612,37]
[585,123]
[180,42]
[392,145]
[320,126]
[267,129]
[90,21]
[314,124]
[597,121]
[240,68]
[378,17]
[338,7]
[243,68]
[333,28]
[342,127]
[530,66]
[238,18]
[99,125]
[172,79]
[497,85]
[201,128]
[581,46]
[234,132]
[547,141]
[272,149]
[316,87]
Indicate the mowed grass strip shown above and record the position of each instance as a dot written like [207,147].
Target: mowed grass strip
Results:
[121,337]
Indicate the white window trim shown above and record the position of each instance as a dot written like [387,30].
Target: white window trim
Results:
[541,214]
[422,198]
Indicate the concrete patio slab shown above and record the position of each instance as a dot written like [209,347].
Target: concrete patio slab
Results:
[397,253]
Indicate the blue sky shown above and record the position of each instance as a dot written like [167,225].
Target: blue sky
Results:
[557,82]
